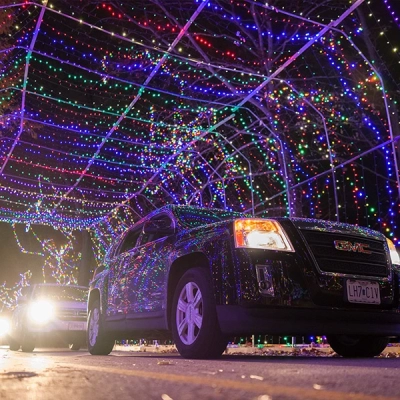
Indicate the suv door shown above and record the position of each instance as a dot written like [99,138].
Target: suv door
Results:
[119,269]
[148,267]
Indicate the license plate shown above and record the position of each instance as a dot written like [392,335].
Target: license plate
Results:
[363,292]
[76,326]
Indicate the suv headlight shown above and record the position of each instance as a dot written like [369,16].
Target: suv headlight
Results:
[394,255]
[261,234]
[41,311]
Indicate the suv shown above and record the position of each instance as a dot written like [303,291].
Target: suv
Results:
[49,311]
[207,275]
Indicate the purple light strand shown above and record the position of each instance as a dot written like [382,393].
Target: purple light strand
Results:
[392,13]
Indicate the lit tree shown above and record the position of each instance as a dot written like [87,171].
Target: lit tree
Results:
[9,295]
[61,261]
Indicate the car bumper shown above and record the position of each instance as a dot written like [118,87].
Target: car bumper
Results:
[59,326]
[238,320]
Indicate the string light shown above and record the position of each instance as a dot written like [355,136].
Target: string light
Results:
[88,64]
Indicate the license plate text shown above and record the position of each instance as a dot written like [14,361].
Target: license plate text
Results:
[363,292]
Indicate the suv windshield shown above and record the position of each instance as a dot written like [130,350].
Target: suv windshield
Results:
[61,293]
[193,217]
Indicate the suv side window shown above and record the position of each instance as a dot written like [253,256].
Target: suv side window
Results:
[160,227]
[111,251]
[130,241]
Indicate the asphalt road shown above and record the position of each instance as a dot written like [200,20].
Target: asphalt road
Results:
[59,374]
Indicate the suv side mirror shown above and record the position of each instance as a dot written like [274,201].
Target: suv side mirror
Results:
[151,227]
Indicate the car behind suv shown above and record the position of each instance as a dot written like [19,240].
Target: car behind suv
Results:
[4,327]
[49,311]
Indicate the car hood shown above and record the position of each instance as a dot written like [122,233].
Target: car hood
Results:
[335,227]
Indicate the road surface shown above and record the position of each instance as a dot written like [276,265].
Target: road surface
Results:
[61,374]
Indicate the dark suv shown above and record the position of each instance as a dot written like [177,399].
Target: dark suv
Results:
[49,311]
[206,275]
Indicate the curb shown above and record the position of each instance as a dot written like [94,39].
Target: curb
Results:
[324,350]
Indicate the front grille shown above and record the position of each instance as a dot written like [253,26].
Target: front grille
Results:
[332,260]
[72,315]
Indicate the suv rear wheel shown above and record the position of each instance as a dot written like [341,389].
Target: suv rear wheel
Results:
[195,327]
[358,346]
[99,343]
[75,346]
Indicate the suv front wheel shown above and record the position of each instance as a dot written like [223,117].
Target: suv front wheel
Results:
[195,326]
[99,343]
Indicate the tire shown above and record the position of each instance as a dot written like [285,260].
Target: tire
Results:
[14,345]
[28,344]
[358,346]
[75,346]
[194,321]
[99,343]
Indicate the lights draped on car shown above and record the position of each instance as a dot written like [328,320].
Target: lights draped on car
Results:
[394,255]
[261,234]
[41,311]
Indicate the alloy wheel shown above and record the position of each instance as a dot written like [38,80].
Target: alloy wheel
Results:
[189,313]
[94,325]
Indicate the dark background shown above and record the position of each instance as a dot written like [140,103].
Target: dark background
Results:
[12,261]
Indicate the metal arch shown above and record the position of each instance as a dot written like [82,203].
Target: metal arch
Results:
[28,58]
[397,138]
[99,148]
[328,144]
[199,191]
[393,138]
[221,179]
[134,101]
[256,90]
[249,164]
